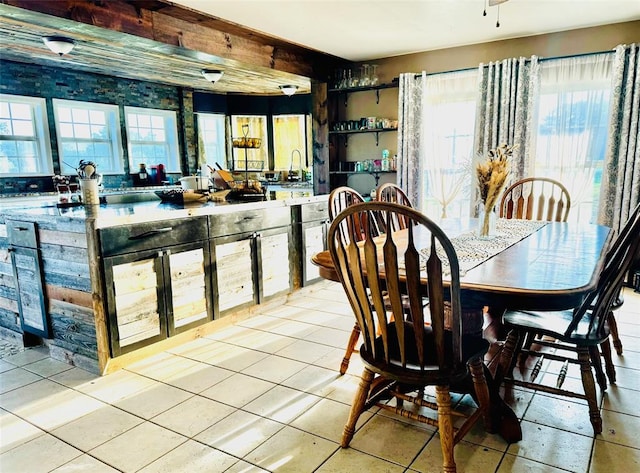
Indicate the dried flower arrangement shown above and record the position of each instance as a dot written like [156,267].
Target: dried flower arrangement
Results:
[492,175]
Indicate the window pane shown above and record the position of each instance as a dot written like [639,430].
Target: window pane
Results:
[449,122]
[25,145]
[254,127]
[289,138]
[570,142]
[153,138]
[211,138]
[20,111]
[84,127]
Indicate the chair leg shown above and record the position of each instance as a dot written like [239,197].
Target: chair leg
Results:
[605,348]
[351,347]
[613,330]
[508,357]
[357,407]
[596,360]
[481,389]
[589,386]
[445,426]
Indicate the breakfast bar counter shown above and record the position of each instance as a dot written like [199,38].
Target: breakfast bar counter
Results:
[105,285]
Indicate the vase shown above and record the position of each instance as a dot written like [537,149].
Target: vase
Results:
[486,222]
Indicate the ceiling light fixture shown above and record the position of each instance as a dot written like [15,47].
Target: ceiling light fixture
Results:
[59,44]
[494,3]
[212,75]
[288,90]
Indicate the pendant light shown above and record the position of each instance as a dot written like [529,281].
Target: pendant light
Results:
[288,90]
[59,44]
[212,75]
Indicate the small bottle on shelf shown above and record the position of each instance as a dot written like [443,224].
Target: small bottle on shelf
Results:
[385,166]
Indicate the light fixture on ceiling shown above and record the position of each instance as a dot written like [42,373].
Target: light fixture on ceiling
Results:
[494,3]
[288,90]
[59,44]
[212,75]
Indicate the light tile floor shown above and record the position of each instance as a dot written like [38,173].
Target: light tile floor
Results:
[265,395]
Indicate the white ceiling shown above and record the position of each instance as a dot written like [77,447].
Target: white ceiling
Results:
[360,30]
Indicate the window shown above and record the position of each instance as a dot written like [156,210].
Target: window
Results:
[449,121]
[153,138]
[24,138]
[571,132]
[289,138]
[211,136]
[88,131]
[256,127]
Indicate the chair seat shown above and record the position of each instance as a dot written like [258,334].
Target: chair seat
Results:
[555,324]
[472,347]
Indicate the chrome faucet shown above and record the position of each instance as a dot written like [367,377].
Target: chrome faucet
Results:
[301,177]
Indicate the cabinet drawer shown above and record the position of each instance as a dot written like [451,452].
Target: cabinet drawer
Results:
[22,234]
[317,211]
[248,221]
[150,235]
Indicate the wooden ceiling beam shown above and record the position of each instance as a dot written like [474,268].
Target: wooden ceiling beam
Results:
[172,25]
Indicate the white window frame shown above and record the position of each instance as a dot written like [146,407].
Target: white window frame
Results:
[170,160]
[41,134]
[112,140]
[258,158]
[212,149]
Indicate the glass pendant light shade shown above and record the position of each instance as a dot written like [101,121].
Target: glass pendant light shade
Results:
[288,90]
[59,44]
[212,75]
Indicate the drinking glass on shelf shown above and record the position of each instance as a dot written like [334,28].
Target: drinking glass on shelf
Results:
[373,75]
[365,78]
[343,84]
[353,80]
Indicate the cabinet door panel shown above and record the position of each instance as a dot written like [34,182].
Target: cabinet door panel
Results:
[234,272]
[314,241]
[274,258]
[188,286]
[134,300]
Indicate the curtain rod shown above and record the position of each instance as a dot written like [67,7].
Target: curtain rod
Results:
[417,75]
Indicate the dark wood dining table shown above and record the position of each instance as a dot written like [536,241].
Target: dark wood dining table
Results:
[553,268]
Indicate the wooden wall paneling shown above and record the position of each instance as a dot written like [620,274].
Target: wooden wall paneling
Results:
[73,328]
[320,132]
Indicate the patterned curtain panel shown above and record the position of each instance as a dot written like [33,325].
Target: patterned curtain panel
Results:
[620,191]
[506,93]
[410,106]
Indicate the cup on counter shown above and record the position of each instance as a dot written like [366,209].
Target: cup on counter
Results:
[89,189]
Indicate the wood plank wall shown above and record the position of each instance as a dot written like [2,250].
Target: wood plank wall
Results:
[65,262]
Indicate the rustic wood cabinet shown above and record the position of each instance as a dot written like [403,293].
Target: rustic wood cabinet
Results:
[250,251]
[311,222]
[27,272]
[157,281]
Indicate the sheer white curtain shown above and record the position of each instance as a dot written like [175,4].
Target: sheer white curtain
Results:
[571,127]
[447,141]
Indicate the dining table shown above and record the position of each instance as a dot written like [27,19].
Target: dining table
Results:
[524,266]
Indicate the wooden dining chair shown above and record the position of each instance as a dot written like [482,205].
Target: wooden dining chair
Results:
[390,192]
[536,198]
[571,336]
[402,355]
[617,303]
[340,199]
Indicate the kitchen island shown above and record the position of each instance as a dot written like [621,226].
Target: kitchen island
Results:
[105,285]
